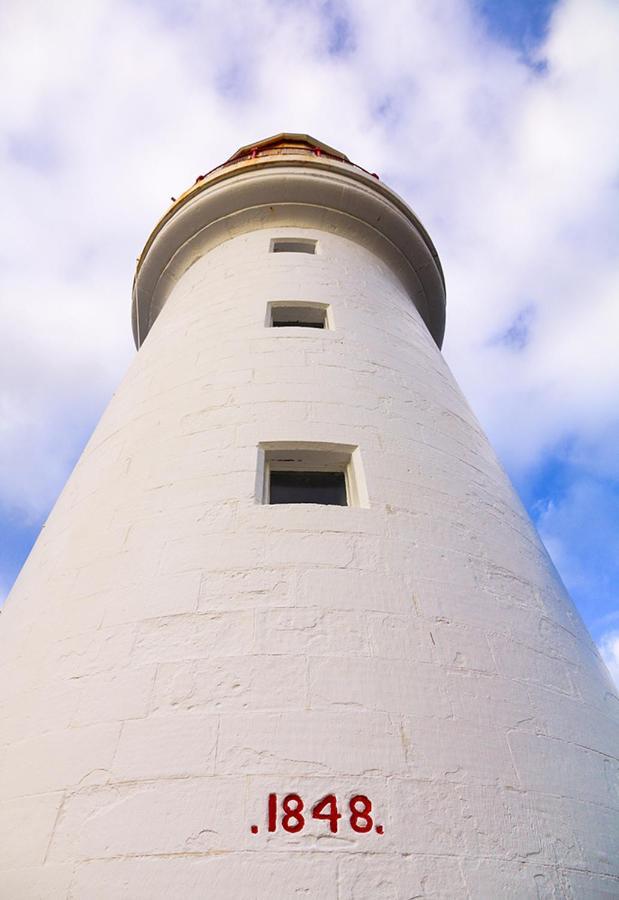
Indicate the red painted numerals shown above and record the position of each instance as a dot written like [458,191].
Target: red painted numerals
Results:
[289,814]
[292,820]
[360,818]
[327,809]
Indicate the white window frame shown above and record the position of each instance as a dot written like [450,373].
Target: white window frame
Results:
[312,456]
[301,304]
[301,241]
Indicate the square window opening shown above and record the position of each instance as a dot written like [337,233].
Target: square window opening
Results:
[325,474]
[297,315]
[293,245]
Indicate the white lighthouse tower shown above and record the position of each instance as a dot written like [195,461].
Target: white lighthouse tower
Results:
[288,631]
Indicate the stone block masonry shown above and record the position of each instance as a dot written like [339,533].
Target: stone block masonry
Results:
[176,651]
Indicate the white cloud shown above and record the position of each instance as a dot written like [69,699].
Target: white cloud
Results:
[609,648]
[109,107]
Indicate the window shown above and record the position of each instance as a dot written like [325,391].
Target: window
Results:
[293,245]
[308,487]
[299,315]
[327,474]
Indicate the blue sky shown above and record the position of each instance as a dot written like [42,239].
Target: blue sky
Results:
[523,24]
[495,119]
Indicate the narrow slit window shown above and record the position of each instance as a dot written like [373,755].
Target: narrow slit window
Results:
[326,474]
[297,316]
[293,245]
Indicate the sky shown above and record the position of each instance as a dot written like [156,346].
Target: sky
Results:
[496,120]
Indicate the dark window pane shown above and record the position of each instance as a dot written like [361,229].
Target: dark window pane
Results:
[308,487]
[298,324]
[299,316]
[292,246]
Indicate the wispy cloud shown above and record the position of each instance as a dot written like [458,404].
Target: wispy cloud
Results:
[518,334]
[609,648]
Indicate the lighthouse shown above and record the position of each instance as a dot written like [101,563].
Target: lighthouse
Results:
[288,631]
